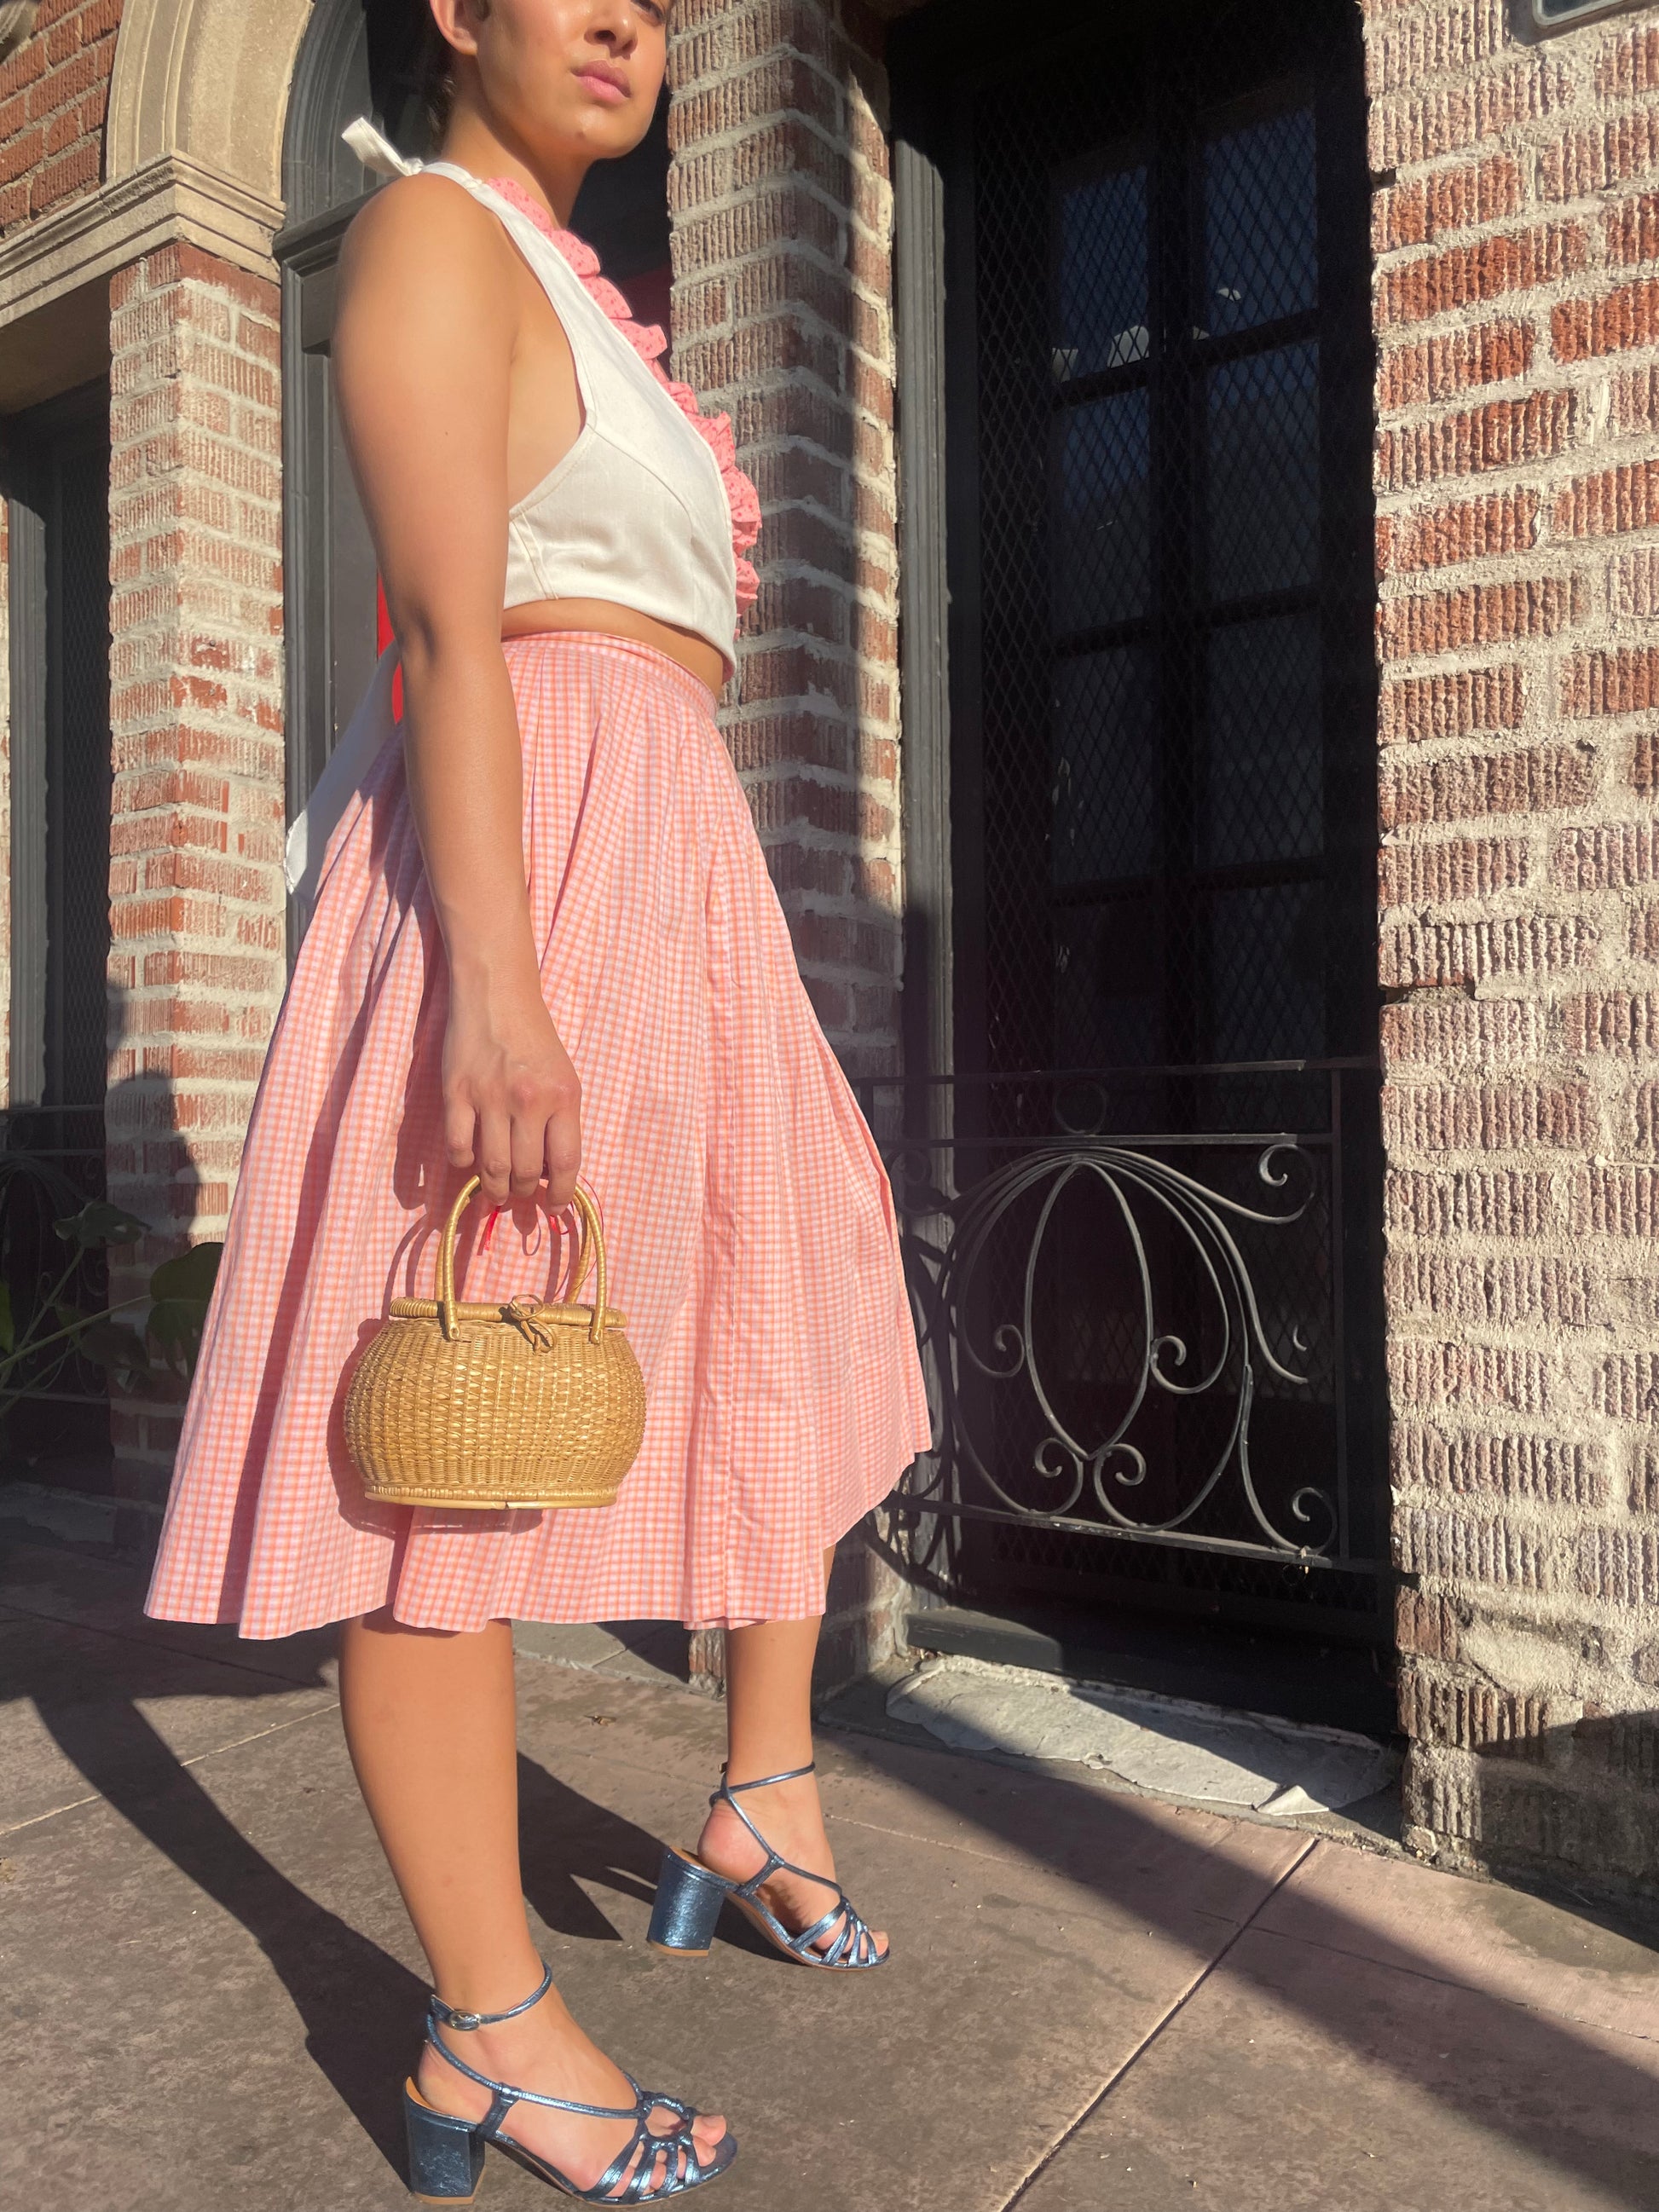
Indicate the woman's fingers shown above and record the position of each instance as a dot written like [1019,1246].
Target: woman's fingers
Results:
[562,1151]
[460,1127]
[529,1120]
[493,1159]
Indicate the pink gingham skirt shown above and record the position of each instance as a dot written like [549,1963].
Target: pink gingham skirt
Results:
[747,1214]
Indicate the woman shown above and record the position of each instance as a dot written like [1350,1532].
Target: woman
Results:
[544,938]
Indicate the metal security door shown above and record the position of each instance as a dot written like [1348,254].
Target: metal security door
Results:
[1149,1172]
[57,472]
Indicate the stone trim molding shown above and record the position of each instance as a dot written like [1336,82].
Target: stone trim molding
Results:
[207,79]
[172,198]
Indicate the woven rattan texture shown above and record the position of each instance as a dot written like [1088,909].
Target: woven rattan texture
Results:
[495,1417]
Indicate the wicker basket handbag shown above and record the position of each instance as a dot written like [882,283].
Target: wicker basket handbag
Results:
[483,1406]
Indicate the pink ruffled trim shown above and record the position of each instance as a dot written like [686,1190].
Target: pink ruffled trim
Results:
[650,343]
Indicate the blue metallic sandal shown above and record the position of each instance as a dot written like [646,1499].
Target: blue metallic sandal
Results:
[690,1896]
[446,2154]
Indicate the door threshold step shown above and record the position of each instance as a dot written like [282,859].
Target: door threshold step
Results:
[1326,1685]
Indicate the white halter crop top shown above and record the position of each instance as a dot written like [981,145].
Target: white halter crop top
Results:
[647,509]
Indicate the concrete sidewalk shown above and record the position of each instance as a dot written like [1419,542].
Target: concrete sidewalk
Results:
[1099,2003]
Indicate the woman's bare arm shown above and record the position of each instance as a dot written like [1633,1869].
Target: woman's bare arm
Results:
[422,355]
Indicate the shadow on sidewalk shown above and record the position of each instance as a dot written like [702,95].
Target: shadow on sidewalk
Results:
[359,2004]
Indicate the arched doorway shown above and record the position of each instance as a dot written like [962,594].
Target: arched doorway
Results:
[364,57]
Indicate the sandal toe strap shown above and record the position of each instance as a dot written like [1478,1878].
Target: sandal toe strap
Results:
[682,2167]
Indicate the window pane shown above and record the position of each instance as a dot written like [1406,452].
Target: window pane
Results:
[1101,287]
[1263,436]
[1105,769]
[1109,985]
[1267,974]
[1102,561]
[1261,245]
[1264,795]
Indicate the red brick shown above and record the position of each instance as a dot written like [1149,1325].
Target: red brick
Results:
[1436,537]
[1479,1202]
[1468,1376]
[1475,614]
[1606,856]
[1499,435]
[1618,1566]
[1581,329]
[1440,367]
[1459,1548]
[1540,1470]
[1636,399]
[1486,1117]
[1452,869]
[1431,1623]
[1451,705]
[1626,1386]
[1418,953]
[1445,283]
[1620,1022]
[1622,681]
[1417,213]
[1435,119]
[1512,1289]
[1627,65]
[1608,151]
[1643,937]
[1528,782]
[1613,499]
[1464,1033]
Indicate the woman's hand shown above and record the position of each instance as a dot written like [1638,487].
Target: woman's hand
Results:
[512,1098]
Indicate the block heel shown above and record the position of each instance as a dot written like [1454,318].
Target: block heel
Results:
[445,2155]
[689,1901]
[690,1896]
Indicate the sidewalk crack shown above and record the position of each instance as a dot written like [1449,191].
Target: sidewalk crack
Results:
[1042,2164]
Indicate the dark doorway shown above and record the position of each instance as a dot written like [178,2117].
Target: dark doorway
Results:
[1156,1339]
[57,462]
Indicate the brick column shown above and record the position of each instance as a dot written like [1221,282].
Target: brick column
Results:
[196,891]
[1517,480]
[782,315]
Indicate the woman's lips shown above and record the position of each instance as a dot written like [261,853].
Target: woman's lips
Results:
[613,90]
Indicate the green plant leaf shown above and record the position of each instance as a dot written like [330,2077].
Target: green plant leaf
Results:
[112,1345]
[190,1276]
[181,1289]
[98,1222]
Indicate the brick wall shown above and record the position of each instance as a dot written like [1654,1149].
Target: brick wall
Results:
[198,959]
[1516,302]
[54,91]
[782,315]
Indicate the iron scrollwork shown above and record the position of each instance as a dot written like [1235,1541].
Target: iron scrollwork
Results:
[1097,1475]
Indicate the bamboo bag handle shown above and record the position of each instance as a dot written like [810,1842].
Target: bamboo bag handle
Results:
[590,1252]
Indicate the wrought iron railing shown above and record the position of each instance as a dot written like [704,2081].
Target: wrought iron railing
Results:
[1147,1304]
[51,1164]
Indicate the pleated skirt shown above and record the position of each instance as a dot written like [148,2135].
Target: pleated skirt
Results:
[748,1218]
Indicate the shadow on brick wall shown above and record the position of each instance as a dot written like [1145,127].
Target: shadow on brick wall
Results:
[150,1171]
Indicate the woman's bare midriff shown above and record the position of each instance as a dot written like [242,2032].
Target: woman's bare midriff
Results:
[693,653]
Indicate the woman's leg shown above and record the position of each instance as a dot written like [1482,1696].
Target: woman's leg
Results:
[432,1728]
[768,1729]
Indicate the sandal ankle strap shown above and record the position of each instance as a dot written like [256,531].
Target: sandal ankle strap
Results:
[444,2015]
[736,1789]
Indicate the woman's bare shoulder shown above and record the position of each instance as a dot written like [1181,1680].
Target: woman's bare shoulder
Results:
[430,239]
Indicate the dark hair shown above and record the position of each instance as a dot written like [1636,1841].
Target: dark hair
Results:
[435,71]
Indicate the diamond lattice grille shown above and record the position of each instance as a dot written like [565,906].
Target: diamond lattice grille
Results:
[1175,588]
